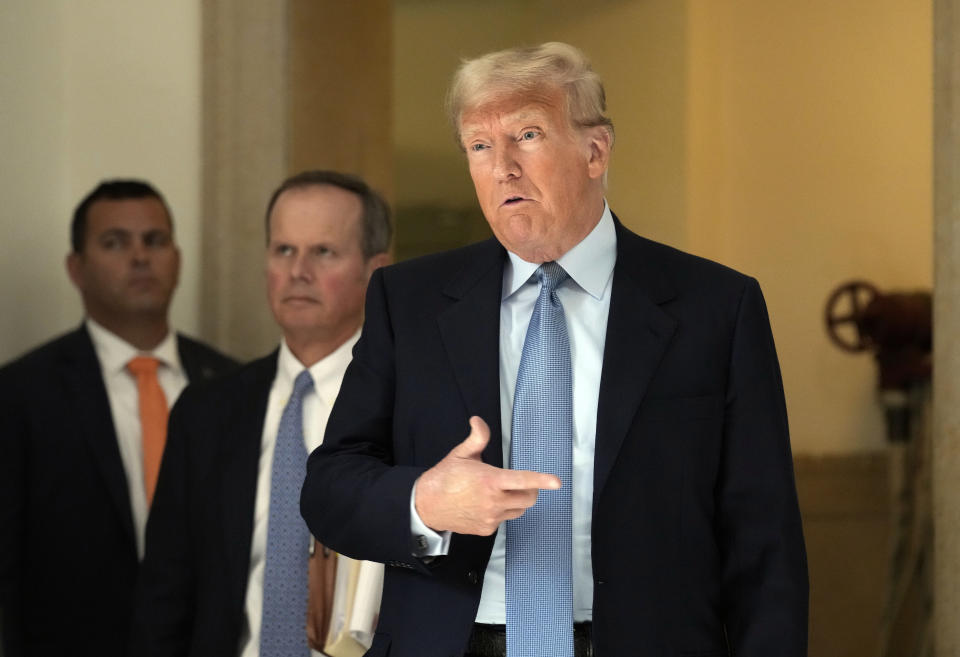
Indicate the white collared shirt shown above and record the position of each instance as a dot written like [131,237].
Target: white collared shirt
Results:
[114,353]
[327,376]
[586,303]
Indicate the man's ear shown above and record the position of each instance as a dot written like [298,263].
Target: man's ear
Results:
[377,261]
[75,269]
[599,144]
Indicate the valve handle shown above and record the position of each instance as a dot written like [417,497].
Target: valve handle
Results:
[845,307]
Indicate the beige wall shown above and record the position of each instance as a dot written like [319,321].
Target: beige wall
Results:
[788,140]
[89,90]
[429,39]
[809,163]
[340,89]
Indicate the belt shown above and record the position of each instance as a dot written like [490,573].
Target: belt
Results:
[491,640]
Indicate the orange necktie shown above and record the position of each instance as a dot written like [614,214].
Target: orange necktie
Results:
[153,418]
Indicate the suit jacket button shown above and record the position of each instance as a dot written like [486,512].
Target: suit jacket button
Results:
[473,577]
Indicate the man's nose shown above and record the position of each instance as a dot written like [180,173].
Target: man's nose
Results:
[300,268]
[140,252]
[505,165]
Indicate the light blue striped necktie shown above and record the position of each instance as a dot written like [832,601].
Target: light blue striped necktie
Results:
[539,587]
[283,630]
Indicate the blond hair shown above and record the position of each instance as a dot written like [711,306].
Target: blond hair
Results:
[529,71]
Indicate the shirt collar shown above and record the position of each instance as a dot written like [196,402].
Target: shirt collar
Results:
[589,263]
[114,352]
[326,373]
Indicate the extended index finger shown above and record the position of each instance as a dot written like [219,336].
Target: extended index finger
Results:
[528,480]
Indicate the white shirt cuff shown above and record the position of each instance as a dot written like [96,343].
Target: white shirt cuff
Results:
[428,542]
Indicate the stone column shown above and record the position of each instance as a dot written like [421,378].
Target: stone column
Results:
[341,88]
[946,312]
[245,143]
[288,85]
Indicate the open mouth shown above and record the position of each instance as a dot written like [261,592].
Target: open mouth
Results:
[514,199]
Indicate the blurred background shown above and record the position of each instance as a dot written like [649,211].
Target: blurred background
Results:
[790,140]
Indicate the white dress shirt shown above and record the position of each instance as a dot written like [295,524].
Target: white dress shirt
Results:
[586,303]
[114,353]
[327,376]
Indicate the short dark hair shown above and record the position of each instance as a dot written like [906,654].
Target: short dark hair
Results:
[377,229]
[113,190]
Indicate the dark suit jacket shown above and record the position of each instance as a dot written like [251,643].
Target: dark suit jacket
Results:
[193,580]
[68,557]
[696,537]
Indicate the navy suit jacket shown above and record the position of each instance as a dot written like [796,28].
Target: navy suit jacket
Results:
[697,547]
[68,556]
[193,581]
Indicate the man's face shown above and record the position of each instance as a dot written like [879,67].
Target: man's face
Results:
[538,180]
[316,272]
[129,265]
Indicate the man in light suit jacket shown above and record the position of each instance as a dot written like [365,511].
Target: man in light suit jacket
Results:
[74,485]
[202,585]
[682,532]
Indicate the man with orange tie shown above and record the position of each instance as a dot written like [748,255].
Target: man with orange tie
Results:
[82,428]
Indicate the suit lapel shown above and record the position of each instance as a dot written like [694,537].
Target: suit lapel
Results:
[84,382]
[638,332]
[193,364]
[240,457]
[472,341]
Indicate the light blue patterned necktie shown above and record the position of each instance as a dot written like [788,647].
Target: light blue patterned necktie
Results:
[539,586]
[283,630]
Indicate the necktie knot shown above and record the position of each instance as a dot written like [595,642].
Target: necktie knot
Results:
[301,385]
[551,276]
[143,366]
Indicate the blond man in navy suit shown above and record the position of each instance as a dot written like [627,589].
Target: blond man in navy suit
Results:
[686,533]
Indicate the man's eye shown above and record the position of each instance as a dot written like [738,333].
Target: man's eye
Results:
[157,240]
[528,135]
[476,148]
[112,242]
[284,250]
